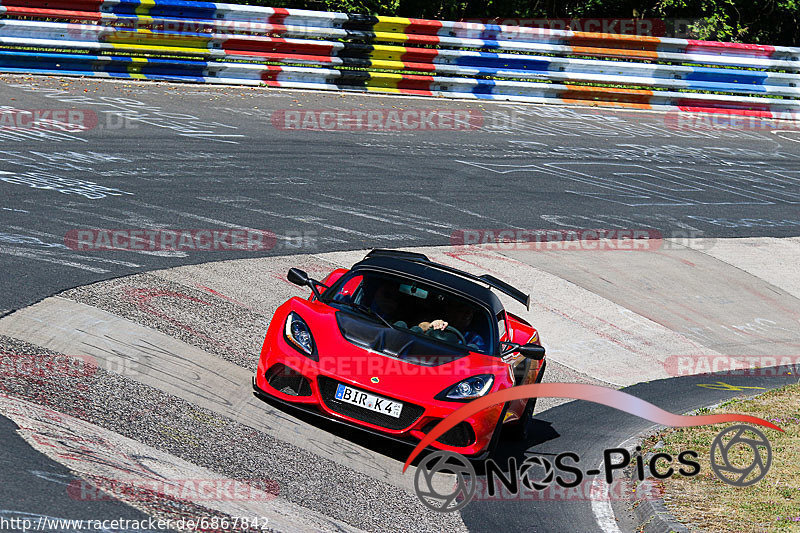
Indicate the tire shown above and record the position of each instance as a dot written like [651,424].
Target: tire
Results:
[521,429]
[494,442]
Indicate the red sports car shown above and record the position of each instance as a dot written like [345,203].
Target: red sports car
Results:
[397,343]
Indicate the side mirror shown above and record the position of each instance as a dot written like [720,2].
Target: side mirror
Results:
[298,277]
[532,351]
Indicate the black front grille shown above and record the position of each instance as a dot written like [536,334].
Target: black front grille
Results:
[409,414]
[288,380]
[459,435]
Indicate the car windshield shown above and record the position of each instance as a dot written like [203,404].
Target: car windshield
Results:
[415,307]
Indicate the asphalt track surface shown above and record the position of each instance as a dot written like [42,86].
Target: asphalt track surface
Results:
[34,485]
[183,156]
[197,157]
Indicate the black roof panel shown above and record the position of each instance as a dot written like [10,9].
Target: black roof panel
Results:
[502,286]
[419,266]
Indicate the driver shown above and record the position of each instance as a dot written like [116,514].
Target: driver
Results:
[461,316]
[384,301]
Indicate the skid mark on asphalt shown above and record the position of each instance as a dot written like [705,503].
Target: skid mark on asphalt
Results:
[146,478]
[23,239]
[49,257]
[142,297]
[404,214]
[565,308]
[765,258]
[200,318]
[391,216]
[184,371]
[237,279]
[634,185]
[235,450]
[219,294]
[137,112]
[681,287]
[185,214]
[345,210]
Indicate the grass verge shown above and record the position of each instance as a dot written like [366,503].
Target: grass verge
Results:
[707,503]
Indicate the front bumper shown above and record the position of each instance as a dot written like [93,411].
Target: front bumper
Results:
[470,438]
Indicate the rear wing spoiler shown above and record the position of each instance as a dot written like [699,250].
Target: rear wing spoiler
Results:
[487,279]
[505,288]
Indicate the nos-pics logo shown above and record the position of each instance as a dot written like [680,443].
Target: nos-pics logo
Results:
[446,481]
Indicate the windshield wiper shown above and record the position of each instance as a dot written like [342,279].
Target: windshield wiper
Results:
[366,310]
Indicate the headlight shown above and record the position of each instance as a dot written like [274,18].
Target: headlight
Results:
[468,389]
[299,336]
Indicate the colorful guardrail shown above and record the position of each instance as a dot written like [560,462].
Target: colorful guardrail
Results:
[209,42]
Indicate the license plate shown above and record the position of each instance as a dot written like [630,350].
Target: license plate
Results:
[368,401]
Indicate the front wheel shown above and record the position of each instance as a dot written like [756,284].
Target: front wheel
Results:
[522,428]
